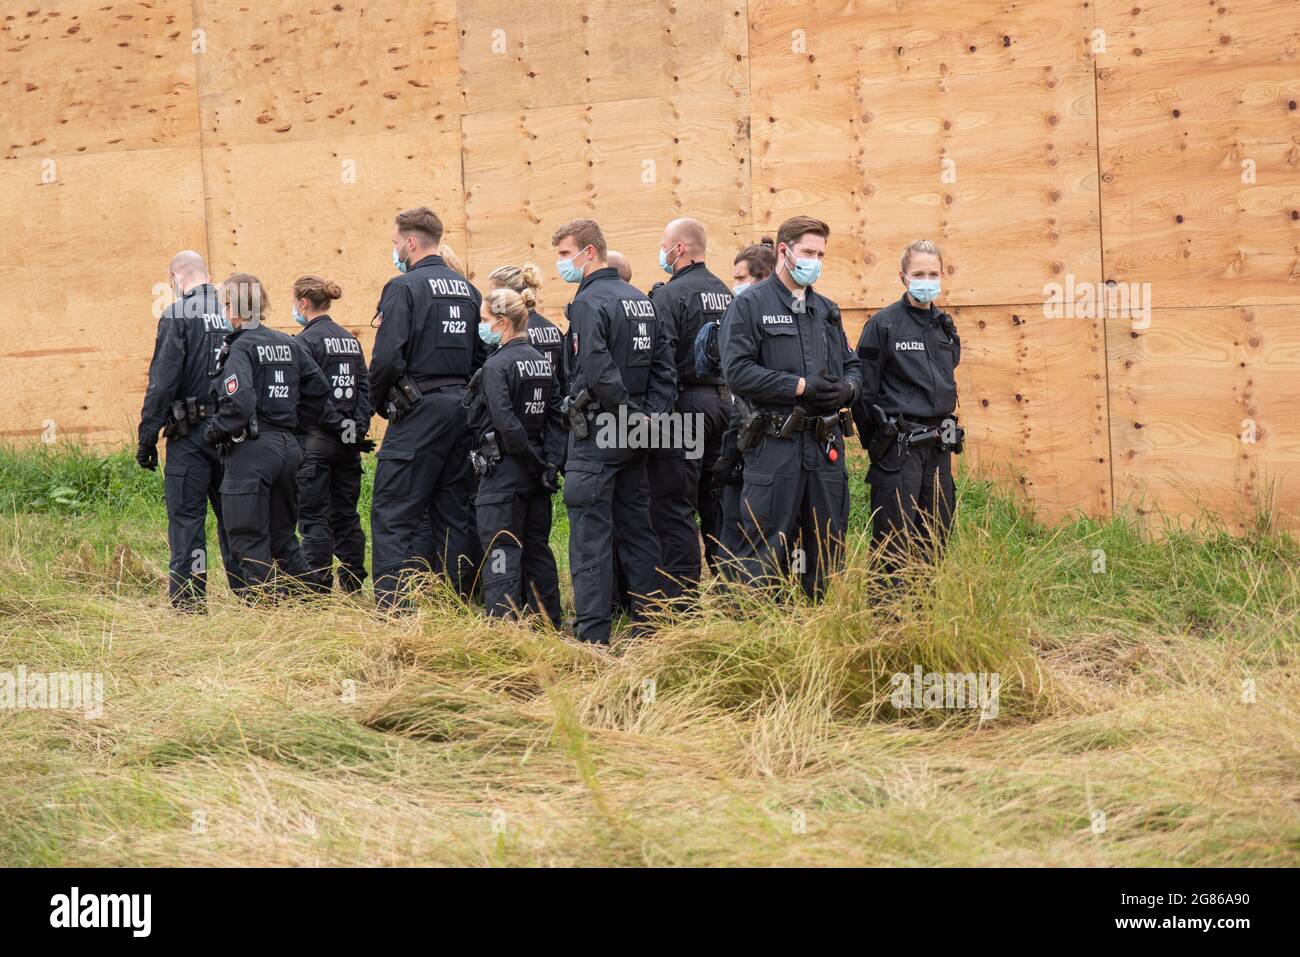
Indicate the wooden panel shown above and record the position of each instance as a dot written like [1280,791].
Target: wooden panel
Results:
[1137,28]
[817,48]
[279,70]
[1032,395]
[79,288]
[83,77]
[998,169]
[1180,141]
[1188,394]
[569,52]
[632,165]
[278,211]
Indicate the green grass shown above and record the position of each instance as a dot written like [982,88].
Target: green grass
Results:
[1159,691]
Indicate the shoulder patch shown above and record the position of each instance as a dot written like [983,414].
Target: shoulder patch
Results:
[232,384]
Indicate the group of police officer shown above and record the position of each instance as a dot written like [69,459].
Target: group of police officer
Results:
[488,404]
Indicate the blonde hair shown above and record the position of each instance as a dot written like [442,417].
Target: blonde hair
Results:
[451,259]
[509,305]
[920,246]
[525,280]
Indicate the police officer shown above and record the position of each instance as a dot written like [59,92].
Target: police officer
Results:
[267,389]
[621,370]
[543,335]
[186,347]
[681,482]
[329,479]
[519,449]
[905,416]
[425,351]
[785,355]
[752,265]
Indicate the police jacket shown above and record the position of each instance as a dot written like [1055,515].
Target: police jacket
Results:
[517,399]
[185,350]
[338,353]
[770,340]
[909,357]
[618,347]
[429,329]
[691,298]
[267,374]
[546,338]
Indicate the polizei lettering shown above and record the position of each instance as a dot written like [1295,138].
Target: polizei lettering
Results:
[638,308]
[335,346]
[272,354]
[544,335]
[909,345]
[534,369]
[457,288]
[714,301]
[784,319]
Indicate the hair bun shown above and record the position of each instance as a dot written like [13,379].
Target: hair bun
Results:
[334,290]
[532,276]
[767,241]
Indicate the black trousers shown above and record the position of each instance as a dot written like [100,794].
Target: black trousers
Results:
[423,484]
[329,484]
[912,499]
[192,476]
[680,488]
[606,490]
[259,499]
[794,513]
[514,530]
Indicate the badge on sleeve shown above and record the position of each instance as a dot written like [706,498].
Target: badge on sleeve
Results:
[232,384]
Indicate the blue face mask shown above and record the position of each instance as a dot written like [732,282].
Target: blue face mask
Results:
[298,317]
[805,271]
[664,264]
[740,287]
[401,266]
[487,335]
[923,290]
[568,271]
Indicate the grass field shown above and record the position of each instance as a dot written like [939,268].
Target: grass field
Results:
[1146,714]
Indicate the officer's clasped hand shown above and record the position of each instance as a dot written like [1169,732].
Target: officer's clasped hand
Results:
[824,393]
[146,456]
[551,478]
[365,444]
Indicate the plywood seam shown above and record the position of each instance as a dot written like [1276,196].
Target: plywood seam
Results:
[1101,262]
[198,107]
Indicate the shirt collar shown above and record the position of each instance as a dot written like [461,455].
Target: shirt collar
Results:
[604,272]
[788,298]
[685,269]
[925,316]
[433,259]
[324,316]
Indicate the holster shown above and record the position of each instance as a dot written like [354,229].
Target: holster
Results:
[404,396]
[574,408]
[486,455]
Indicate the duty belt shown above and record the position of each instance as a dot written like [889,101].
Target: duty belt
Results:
[433,383]
[702,387]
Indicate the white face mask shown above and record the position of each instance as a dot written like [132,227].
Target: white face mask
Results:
[740,287]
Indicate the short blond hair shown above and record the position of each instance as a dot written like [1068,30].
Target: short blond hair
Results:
[920,246]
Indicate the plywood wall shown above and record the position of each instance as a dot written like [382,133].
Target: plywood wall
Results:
[1071,142]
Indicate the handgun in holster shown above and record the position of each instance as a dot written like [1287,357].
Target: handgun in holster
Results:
[404,396]
[486,455]
[935,435]
[574,408]
[177,425]
[753,426]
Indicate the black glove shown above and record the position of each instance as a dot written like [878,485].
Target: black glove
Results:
[720,473]
[826,394]
[146,456]
[365,444]
[551,478]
